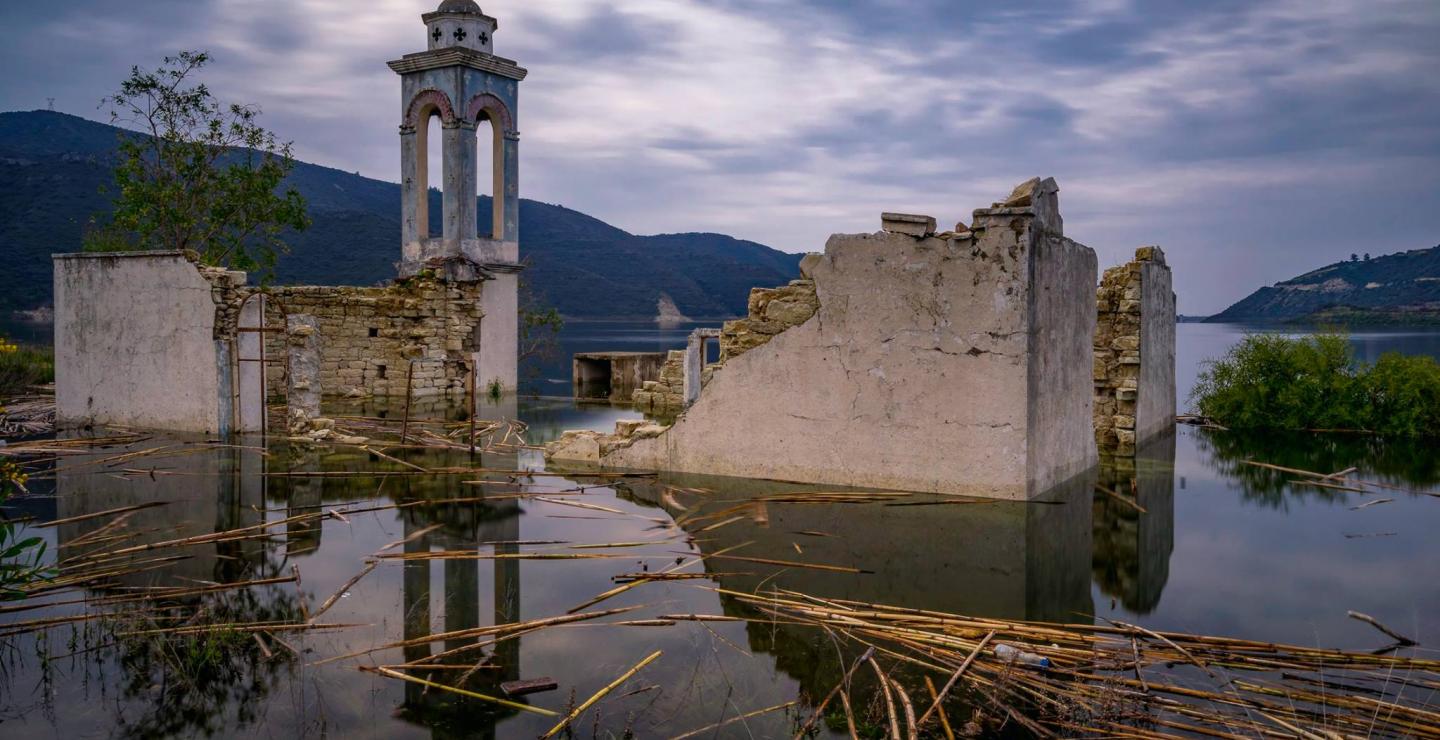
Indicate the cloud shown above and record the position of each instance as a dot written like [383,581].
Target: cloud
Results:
[1272,134]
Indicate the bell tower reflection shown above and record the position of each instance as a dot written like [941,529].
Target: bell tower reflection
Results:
[1132,547]
[459,528]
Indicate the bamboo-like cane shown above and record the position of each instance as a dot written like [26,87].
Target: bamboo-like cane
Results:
[600,695]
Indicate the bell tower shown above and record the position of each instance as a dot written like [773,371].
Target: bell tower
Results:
[459,79]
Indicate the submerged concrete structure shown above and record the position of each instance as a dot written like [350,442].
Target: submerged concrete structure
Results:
[1134,354]
[613,376]
[955,362]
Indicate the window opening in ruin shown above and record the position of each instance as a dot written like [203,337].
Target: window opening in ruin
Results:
[380,371]
[374,332]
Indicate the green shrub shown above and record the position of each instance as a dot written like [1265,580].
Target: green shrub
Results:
[24,367]
[1269,381]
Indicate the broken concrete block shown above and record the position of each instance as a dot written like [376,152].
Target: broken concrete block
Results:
[1023,194]
[627,427]
[575,446]
[808,264]
[907,223]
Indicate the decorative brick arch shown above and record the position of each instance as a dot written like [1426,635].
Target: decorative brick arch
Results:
[423,100]
[494,108]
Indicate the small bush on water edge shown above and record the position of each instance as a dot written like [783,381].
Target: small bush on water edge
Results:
[1269,381]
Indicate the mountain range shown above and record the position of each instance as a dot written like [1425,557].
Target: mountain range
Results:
[53,167]
[1391,289]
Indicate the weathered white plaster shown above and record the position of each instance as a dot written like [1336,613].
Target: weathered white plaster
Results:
[135,343]
[953,365]
[1155,405]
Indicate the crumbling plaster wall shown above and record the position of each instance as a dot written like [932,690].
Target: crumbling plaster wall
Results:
[952,363]
[136,342]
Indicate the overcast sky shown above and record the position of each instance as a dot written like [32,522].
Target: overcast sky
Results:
[1252,139]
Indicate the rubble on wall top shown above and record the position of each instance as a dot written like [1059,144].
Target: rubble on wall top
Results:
[1150,254]
[908,223]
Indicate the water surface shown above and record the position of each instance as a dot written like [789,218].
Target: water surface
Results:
[1222,547]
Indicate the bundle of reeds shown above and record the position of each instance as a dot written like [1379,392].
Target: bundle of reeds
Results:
[1118,679]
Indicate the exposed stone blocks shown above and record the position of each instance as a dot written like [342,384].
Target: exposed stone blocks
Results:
[666,395]
[1134,353]
[771,311]
[371,335]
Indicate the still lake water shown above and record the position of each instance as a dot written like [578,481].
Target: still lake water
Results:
[1223,548]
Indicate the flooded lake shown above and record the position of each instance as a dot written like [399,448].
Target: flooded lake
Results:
[1191,539]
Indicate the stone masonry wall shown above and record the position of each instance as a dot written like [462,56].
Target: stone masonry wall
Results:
[370,335]
[771,311]
[1121,306]
[666,396]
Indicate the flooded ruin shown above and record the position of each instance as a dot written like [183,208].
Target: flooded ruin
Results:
[374,563]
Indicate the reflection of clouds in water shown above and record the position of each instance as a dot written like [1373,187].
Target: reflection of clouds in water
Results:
[1236,568]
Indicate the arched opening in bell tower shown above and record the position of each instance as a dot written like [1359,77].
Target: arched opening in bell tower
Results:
[432,191]
[488,176]
[493,122]
[428,112]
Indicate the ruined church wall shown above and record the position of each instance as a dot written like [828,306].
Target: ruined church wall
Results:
[370,335]
[915,373]
[135,342]
[1062,325]
[1134,353]
[1155,407]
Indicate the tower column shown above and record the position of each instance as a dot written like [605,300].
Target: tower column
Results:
[413,226]
[511,155]
[459,164]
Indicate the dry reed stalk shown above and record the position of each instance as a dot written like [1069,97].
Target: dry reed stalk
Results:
[483,632]
[325,607]
[1122,499]
[889,698]
[600,695]
[732,720]
[792,564]
[940,712]
[955,677]
[98,514]
[473,695]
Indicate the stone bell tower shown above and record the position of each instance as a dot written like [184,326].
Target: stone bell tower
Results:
[459,79]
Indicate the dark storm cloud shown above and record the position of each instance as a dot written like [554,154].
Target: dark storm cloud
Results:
[1254,139]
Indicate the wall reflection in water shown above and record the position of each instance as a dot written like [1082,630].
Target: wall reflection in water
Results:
[996,559]
[211,488]
[1133,542]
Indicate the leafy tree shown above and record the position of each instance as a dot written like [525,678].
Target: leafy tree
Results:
[1354,257]
[540,326]
[1367,256]
[1273,382]
[205,176]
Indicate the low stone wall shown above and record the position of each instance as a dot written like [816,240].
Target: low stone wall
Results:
[371,335]
[1134,363]
[664,396]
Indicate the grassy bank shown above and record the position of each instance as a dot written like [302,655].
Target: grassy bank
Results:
[23,367]
[1316,383]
